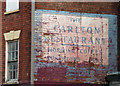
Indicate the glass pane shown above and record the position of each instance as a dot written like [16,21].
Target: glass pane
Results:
[16,45]
[12,5]
[12,55]
[14,74]
[9,56]
[9,46]
[10,70]
[10,74]
[13,46]
[16,54]
[10,66]
[15,65]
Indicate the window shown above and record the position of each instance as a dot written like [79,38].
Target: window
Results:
[12,62]
[12,56]
[12,5]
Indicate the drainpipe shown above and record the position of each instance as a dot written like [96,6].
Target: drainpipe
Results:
[32,40]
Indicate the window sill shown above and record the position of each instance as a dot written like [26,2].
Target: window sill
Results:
[11,82]
[11,12]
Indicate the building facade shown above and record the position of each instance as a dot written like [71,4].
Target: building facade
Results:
[19,23]
[57,43]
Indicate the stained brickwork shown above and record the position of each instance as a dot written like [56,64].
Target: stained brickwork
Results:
[97,8]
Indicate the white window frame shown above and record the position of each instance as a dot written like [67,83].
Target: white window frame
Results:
[10,7]
[6,64]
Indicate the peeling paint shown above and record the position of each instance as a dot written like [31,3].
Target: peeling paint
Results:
[74,47]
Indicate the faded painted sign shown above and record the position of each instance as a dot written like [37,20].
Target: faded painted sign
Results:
[74,47]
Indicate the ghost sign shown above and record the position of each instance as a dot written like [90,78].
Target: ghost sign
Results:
[79,44]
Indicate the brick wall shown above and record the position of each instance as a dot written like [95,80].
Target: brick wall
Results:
[22,21]
[19,21]
[85,7]
[97,8]
[82,7]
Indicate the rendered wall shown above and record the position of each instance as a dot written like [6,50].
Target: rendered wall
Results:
[74,47]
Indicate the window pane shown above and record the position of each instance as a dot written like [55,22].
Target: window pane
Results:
[12,5]
[14,69]
[16,46]
[12,58]
[9,56]
[14,74]
[10,74]
[9,46]
[16,55]
[13,46]
[10,70]
[15,66]
[10,66]
[13,50]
